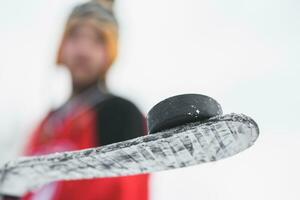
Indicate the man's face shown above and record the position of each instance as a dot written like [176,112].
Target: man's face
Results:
[85,55]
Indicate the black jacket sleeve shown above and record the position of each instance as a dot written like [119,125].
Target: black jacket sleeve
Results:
[118,120]
[10,198]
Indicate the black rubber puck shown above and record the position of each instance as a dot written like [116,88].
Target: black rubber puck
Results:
[181,109]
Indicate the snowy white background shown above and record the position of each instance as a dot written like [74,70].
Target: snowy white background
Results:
[242,53]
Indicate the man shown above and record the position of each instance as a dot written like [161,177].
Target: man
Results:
[92,116]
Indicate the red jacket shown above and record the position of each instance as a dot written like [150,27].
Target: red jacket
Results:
[91,120]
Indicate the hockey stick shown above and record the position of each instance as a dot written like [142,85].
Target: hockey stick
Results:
[182,146]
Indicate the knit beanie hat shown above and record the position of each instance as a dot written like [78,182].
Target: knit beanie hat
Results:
[99,14]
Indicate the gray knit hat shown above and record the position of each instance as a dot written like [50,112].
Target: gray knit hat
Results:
[100,9]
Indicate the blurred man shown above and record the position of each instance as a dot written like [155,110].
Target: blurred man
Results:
[92,116]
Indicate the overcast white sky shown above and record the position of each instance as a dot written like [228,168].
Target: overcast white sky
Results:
[242,53]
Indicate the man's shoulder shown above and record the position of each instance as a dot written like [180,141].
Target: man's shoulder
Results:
[119,119]
[108,103]
[117,102]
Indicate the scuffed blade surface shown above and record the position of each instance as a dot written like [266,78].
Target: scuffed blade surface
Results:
[187,145]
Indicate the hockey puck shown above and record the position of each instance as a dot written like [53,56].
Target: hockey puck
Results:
[181,109]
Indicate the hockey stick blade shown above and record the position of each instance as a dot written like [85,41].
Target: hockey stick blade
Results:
[182,146]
